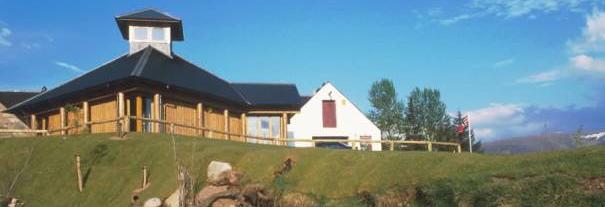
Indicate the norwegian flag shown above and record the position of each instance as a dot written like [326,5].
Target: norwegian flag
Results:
[460,129]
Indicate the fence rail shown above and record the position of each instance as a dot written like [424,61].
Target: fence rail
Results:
[202,131]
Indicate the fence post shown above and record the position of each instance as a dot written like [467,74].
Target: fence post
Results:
[144,176]
[172,128]
[459,148]
[78,172]
[430,146]
[392,145]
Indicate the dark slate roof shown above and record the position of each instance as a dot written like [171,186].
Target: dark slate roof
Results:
[151,65]
[265,95]
[304,100]
[150,16]
[10,98]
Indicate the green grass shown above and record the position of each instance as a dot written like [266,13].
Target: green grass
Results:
[333,177]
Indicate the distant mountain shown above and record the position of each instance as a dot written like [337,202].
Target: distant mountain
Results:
[596,138]
[541,143]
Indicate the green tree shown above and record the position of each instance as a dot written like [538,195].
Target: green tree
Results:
[462,138]
[387,109]
[426,116]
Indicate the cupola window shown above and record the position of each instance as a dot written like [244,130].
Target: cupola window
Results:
[150,34]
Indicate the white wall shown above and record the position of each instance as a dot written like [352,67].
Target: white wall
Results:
[350,121]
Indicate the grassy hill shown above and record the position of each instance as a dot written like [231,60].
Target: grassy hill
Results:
[332,177]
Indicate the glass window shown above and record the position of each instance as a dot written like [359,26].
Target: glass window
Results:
[158,34]
[140,33]
[275,127]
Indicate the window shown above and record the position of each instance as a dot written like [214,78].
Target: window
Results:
[157,34]
[140,33]
[263,126]
[329,113]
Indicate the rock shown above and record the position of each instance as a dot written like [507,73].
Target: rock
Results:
[209,192]
[173,200]
[153,202]
[215,168]
[223,202]
[226,178]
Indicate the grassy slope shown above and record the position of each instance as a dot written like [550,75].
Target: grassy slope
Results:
[553,178]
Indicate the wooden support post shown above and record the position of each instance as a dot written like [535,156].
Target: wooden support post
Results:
[62,119]
[244,130]
[121,113]
[459,148]
[32,124]
[145,177]
[226,114]
[44,126]
[139,113]
[128,114]
[429,146]
[392,145]
[284,127]
[86,109]
[157,105]
[199,119]
[79,173]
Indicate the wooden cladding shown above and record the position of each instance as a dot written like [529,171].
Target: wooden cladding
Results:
[235,125]
[50,121]
[214,119]
[75,118]
[102,111]
[181,113]
[99,115]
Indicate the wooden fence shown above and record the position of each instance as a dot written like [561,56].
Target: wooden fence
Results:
[170,127]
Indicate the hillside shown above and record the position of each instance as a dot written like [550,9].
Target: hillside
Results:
[332,177]
[542,143]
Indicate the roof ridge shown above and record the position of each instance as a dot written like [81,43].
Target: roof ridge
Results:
[138,68]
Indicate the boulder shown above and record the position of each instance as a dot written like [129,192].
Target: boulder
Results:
[230,177]
[210,192]
[153,202]
[223,202]
[215,168]
[173,200]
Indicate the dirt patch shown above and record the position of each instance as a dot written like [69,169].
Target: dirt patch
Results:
[594,185]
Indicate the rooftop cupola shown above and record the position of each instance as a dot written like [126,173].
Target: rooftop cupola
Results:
[150,27]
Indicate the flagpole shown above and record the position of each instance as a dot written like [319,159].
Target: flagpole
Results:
[470,142]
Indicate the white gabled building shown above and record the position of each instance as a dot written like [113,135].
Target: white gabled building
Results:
[328,114]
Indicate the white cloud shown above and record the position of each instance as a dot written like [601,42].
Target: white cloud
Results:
[456,19]
[542,77]
[494,113]
[587,63]
[518,8]
[502,121]
[69,66]
[593,35]
[4,34]
[503,63]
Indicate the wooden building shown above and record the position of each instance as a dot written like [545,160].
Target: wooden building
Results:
[151,82]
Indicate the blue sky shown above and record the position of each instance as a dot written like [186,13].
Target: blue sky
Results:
[515,65]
